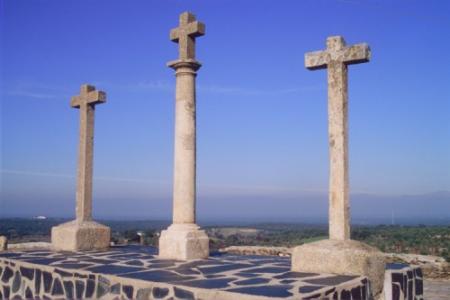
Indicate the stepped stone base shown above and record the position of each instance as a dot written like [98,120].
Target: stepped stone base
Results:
[341,257]
[183,242]
[80,236]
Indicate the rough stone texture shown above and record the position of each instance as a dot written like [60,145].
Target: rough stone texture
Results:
[3,243]
[183,240]
[336,59]
[185,35]
[258,250]
[436,289]
[184,186]
[30,246]
[76,236]
[341,257]
[83,233]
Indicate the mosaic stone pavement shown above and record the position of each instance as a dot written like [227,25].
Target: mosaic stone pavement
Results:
[253,275]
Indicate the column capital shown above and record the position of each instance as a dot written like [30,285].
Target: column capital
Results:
[184,63]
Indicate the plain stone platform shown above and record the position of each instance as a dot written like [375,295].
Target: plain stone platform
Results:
[136,272]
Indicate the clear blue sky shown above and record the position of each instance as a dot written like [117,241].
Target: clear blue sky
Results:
[261,116]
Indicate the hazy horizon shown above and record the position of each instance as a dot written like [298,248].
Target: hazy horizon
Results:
[313,208]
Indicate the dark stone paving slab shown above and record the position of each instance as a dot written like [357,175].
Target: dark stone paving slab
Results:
[113,269]
[252,281]
[72,266]
[332,280]
[209,283]
[396,266]
[158,276]
[43,261]
[276,270]
[295,275]
[224,268]
[268,291]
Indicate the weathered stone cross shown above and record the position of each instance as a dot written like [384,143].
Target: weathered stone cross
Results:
[83,233]
[86,102]
[336,58]
[185,35]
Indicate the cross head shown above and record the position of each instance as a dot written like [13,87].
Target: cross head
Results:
[185,35]
[337,52]
[88,96]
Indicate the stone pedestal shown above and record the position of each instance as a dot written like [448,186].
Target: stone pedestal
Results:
[345,257]
[79,236]
[183,242]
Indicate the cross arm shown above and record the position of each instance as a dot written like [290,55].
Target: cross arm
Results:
[196,29]
[96,97]
[316,60]
[356,54]
[75,101]
[174,34]
[93,97]
[193,29]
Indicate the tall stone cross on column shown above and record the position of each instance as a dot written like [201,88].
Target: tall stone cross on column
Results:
[339,254]
[184,240]
[86,102]
[336,59]
[83,233]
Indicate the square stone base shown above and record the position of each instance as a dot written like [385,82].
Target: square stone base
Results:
[183,242]
[341,257]
[78,236]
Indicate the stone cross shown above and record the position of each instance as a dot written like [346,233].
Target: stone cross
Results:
[336,58]
[339,254]
[86,102]
[184,240]
[185,35]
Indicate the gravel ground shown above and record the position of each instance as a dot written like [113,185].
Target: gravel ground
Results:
[436,289]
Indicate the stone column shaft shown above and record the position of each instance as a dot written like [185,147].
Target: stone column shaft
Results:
[85,161]
[339,216]
[184,188]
